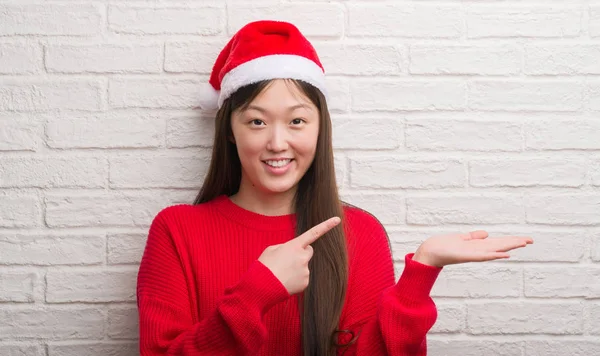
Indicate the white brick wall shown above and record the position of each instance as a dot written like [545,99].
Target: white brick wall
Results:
[449,116]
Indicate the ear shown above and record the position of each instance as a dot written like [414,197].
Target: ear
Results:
[231,139]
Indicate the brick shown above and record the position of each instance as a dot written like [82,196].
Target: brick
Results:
[107,130]
[462,135]
[51,249]
[523,21]
[339,162]
[17,286]
[93,348]
[102,209]
[44,95]
[53,172]
[549,246]
[68,286]
[153,20]
[19,58]
[524,317]
[452,318]
[592,320]
[19,211]
[518,95]
[190,131]
[473,347]
[464,209]
[50,19]
[154,93]
[358,133]
[69,211]
[370,95]
[395,172]
[18,132]
[562,282]
[22,349]
[388,208]
[338,95]
[594,21]
[564,209]
[126,248]
[158,171]
[562,347]
[528,172]
[191,56]
[123,323]
[596,248]
[465,60]
[104,58]
[594,94]
[405,20]
[361,59]
[479,282]
[562,134]
[562,59]
[313,20]
[406,241]
[73,322]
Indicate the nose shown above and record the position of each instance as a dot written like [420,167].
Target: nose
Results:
[278,140]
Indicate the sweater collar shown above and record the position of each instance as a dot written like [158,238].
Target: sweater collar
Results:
[251,219]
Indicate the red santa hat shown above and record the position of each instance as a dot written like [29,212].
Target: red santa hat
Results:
[262,50]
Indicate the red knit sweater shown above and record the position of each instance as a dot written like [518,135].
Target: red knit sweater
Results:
[202,291]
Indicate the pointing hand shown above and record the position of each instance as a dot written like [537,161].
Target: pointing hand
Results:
[289,261]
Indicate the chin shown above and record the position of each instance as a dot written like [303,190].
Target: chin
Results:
[279,188]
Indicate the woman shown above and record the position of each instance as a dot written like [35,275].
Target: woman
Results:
[268,260]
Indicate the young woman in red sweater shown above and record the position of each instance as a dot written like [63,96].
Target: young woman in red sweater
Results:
[268,260]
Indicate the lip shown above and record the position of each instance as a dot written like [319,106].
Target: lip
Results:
[277,159]
[278,170]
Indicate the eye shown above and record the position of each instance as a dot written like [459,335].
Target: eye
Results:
[298,121]
[257,122]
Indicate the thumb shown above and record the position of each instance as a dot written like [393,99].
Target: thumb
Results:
[477,235]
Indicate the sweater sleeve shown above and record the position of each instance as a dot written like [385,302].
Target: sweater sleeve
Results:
[167,326]
[387,318]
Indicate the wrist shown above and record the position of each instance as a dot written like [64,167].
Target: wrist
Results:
[424,258]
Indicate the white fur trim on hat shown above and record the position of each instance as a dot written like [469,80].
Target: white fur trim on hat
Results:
[272,67]
[208,97]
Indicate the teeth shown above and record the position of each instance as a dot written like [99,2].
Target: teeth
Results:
[278,163]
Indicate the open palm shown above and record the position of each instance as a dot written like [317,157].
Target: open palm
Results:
[475,246]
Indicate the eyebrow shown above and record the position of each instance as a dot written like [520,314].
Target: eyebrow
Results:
[265,111]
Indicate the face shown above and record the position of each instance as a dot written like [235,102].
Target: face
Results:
[276,137]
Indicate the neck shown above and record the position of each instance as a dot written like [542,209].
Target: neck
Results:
[264,203]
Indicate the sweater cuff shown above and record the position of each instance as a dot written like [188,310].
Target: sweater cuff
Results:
[261,288]
[416,280]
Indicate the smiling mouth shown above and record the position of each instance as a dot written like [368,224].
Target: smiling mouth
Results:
[278,163]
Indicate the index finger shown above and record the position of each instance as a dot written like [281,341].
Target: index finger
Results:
[317,231]
[504,244]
